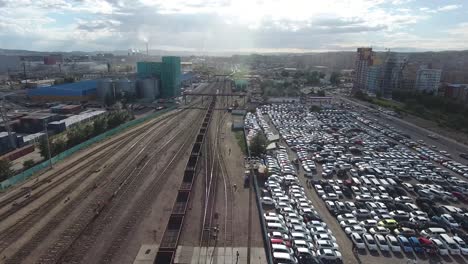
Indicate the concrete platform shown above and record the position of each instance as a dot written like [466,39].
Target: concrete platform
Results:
[219,255]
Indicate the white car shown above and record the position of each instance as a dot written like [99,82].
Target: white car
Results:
[461,244]
[357,240]
[344,217]
[448,219]
[315,223]
[347,223]
[441,247]
[326,244]
[355,229]
[324,237]
[381,242]
[370,242]
[393,243]
[329,254]
[380,230]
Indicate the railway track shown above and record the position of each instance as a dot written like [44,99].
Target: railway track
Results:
[72,247]
[94,157]
[21,226]
[211,225]
[43,232]
[111,188]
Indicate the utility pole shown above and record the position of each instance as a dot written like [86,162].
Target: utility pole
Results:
[7,123]
[48,144]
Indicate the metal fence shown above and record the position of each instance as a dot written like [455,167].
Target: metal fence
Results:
[266,239]
[41,166]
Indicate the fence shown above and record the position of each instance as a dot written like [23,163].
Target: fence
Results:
[41,166]
[266,239]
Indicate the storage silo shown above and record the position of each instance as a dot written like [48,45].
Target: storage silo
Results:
[148,88]
[125,86]
[104,89]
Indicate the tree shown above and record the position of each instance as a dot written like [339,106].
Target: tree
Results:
[258,145]
[378,94]
[43,149]
[335,78]
[28,163]
[99,126]
[315,108]
[5,169]
[321,93]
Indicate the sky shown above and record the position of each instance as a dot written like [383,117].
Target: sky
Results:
[234,25]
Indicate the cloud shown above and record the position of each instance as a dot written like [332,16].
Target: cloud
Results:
[448,8]
[440,9]
[206,24]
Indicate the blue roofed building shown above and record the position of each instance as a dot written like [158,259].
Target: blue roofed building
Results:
[79,91]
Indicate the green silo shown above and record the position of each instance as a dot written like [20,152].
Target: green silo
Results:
[149,69]
[170,77]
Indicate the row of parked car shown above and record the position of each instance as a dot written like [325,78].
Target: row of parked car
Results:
[385,195]
[296,231]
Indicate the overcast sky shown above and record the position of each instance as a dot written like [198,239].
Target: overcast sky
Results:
[233,25]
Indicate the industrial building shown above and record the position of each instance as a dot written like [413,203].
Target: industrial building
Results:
[168,72]
[64,124]
[145,88]
[428,80]
[79,91]
[36,122]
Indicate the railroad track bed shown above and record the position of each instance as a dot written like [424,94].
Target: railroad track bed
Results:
[62,227]
[106,186]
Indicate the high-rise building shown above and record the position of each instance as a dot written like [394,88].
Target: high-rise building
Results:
[373,79]
[428,80]
[364,59]
[392,73]
[167,71]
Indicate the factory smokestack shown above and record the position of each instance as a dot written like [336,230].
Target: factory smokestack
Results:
[147,51]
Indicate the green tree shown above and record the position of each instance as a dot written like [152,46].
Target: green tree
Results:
[5,169]
[335,78]
[315,108]
[321,93]
[378,94]
[43,149]
[99,126]
[258,145]
[28,163]
[284,73]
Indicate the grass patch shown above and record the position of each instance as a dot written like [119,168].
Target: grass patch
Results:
[241,141]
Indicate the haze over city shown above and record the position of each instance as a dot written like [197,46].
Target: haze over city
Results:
[236,26]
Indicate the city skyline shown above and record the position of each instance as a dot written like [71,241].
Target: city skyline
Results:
[235,26]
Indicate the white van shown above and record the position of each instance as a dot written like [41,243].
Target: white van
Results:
[452,246]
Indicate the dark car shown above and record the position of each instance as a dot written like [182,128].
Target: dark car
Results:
[422,200]
[402,206]
[409,224]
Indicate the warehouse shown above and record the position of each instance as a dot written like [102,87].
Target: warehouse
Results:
[79,91]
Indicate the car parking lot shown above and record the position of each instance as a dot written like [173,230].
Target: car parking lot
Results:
[388,194]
